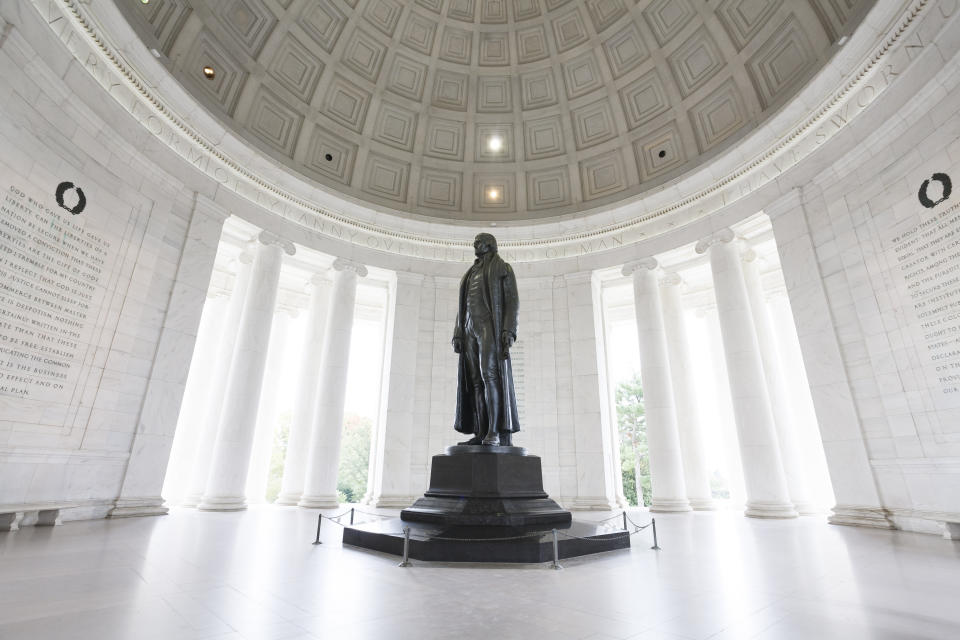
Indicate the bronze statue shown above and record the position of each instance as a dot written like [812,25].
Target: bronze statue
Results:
[486,329]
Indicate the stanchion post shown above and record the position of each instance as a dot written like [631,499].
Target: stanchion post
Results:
[653,522]
[625,521]
[556,552]
[351,516]
[319,520]
[406,548]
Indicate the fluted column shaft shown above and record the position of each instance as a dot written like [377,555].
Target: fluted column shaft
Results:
[790,451]
[767,493]
[231,454]
[259,467]
[183,456]
[663,441]
[320,485]
[218,383]
[695,472]
[298,442]
[390,468]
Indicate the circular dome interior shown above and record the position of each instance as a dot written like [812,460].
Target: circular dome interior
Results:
[490,110]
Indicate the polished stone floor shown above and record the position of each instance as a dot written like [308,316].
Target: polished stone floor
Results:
[255,575]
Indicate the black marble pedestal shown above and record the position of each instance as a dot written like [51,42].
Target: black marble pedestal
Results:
[440,543]
[486,486]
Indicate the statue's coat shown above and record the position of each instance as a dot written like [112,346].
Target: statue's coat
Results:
[500,294]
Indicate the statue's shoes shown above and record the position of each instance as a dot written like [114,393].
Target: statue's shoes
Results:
[494,442]
[475,440]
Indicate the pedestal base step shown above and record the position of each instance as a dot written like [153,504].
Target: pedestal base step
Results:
[497,512]
[485,544]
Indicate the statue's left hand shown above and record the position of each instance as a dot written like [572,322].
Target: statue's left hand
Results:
[506,341]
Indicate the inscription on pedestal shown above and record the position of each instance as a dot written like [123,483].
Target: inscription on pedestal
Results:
[50,270]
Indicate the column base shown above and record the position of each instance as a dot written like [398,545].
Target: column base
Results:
[218,503]
[191,500]
[669,505]
[318,502]
[391,502]
[770,510]
[806,509]
[133,508]
[703,504]
[288,499]
[592,503]
[874,517]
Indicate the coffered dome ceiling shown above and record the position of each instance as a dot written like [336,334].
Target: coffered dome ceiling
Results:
[492,109]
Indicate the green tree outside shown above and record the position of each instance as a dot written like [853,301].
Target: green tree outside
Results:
[354,458]
[632,425]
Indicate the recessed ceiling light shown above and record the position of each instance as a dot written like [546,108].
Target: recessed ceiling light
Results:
[209,72]
[493,194]
[495,143]
[144,1]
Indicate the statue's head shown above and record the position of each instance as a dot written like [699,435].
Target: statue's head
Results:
[484,243]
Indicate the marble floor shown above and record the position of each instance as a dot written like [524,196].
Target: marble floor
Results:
[255,575]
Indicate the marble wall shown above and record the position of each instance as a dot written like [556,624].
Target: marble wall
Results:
[100,305]
[870,258]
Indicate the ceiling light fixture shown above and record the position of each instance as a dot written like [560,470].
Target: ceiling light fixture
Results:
[209,72]
[493,195]
[144,1]
[495,143]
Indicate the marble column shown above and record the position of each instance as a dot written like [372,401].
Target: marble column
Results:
[320,484]
[724,418]
[217,383]
[801,404]
[298,442]
[790,452]
[696,474]
[767,492]
[390,458]
[663,441]
[202,365]
[231,453]
[259,467]
[795,218]
[585,432]
[153,440]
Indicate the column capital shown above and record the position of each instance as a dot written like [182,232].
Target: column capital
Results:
[749,255]
[266,239]
[245,257]
[722,236]
[671,279]
[343,264]
[631,268]
[789,201]
[206,206]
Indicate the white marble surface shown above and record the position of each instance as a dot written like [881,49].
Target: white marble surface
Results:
[235,434]
[767,493]
[320,483]
[668,488]
[696,474]
[255,576]
[209,420]
[295,462]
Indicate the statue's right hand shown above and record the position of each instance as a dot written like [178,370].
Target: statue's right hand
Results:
[457,345]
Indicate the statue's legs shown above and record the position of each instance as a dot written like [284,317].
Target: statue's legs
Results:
[481,352]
